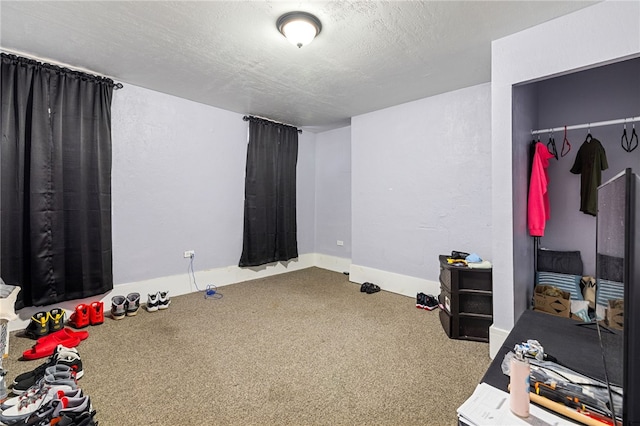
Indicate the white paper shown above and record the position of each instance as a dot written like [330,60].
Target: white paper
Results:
[490,406]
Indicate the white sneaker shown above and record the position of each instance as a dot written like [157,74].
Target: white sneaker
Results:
[163,299]
[62,390]
[152,302]
[31,402]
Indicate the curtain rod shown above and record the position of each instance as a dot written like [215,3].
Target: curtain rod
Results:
[60,65]
[249,117]
[588,125]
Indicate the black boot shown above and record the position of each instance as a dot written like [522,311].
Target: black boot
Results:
[56,319]
[39,325]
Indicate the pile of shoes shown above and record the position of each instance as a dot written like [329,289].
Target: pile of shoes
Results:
[426,301]
[45,346]
[49,394]
[369,288]
[128,306]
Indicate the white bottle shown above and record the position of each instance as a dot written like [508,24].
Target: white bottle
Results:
[519,385]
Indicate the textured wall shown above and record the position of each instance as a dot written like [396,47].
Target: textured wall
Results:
[421,182]
[525,118]
[305,192]
[333,192]
[178,184]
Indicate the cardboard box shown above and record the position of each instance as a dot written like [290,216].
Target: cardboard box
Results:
[559,305]
[573,317]
[615,313]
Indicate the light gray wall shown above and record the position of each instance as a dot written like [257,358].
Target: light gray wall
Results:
[421,182]
[604,93]
[525,118]
[306,192]
[333,192]
[178,184]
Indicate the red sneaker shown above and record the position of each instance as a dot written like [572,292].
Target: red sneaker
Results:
[96,313]
[80,316]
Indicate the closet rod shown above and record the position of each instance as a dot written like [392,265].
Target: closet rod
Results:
[588,125]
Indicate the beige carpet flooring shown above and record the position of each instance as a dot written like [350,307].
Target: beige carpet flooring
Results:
[302,348]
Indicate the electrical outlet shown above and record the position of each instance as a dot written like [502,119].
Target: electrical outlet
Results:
[189,253]
[340,242]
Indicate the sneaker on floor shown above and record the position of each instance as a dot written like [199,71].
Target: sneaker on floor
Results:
[73,407]
[153,302]
[118,307]
[132,304]
[26,406]
[56,319]
[54,375]
[96,313]
[38,325]
[83,419]
[68,408]
[420,300]
[163,300]
[27,384]
[80,316]
[33,401]
[430,302]
[373,288]
[43,415]
[60,352]
[56,390]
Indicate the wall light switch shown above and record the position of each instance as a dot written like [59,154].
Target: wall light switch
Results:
[340,242]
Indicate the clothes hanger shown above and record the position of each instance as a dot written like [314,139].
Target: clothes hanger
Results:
[629,145]
[589,137]
[565,144]
[551,146]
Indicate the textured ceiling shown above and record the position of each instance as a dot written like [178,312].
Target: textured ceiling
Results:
[229,54]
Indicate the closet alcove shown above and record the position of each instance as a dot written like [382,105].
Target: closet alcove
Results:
[600,93]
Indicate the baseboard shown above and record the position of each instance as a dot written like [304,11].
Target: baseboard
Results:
[393,282]
[497,336]
[332,263]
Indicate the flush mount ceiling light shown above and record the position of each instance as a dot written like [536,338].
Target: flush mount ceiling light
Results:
[300,28]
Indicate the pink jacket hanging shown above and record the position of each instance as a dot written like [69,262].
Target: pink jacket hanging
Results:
[538,209]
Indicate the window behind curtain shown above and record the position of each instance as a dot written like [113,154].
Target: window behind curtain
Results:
[55,202]
[270,227]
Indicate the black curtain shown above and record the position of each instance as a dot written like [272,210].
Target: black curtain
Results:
[55,200]
[270,228]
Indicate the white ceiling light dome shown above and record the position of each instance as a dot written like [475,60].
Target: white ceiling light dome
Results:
[300,28]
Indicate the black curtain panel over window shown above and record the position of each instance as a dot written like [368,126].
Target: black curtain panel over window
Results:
[270,227]
[55,200]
